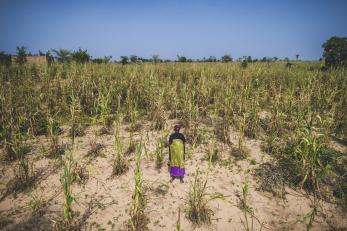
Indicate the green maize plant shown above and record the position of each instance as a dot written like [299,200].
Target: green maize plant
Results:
[312,214]
[195,133]
[159,156]
[66,180]
[240,151]
[272,143]
[36,203]
[103,109]
[247,211]
[120,165]
[198,211]
[247,222]
[157,116]
[277,121]
[74,109]
[95,147]
[24,168]
[53,132]
[178,223]
[138,219]
[103,106]
[251,125]
[145,141]
[308,158]
[241,134]
[94,120]
[129,105]
[134,116]
[213,152]
[222,130]
[132,143]
[15,145]
[191,151]
[310,164]
[18,148]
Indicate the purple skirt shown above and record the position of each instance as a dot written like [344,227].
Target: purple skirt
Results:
[177,171]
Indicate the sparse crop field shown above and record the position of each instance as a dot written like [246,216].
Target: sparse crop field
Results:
[85,146]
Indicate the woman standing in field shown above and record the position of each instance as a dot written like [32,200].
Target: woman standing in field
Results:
[177,154]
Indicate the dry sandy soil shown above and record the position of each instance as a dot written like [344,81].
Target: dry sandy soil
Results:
[103,201]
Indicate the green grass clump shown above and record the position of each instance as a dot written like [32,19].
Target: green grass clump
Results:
[198,211]
[66,180]
[120,164]
[159,155]
[213,152]
[138,218]
[247,211]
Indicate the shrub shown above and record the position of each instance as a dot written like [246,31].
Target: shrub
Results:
[80,56]
[335,51]
[22,54]
[198,211]
[5,59]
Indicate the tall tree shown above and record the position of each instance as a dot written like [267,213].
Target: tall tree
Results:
[156,58]
[181,59]
[22,54]
[297,57]
[335,51]
[107,59]
[124,60]
[63,55]
[226,58]
[49,58]
[81,56]
[212,59]
[5,59]
[134,58]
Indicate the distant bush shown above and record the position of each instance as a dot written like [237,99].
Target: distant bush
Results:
[134,58]
[181,59]
[63,55]
[98,60]
[244,64]
[211,59]
[106,59]
[156,59]
[227,58]
[21,55]
[5,59]
[289,64]
[124,60]
[80,56]
[49,58]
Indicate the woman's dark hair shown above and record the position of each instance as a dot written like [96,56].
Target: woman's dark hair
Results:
[177,127]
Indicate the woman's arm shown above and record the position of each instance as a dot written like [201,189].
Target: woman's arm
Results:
[169,154]
[170,142]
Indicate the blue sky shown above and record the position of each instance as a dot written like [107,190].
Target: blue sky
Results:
[192,28]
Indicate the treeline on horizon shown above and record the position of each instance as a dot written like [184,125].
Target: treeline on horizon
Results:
[82,56]
[334,55]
